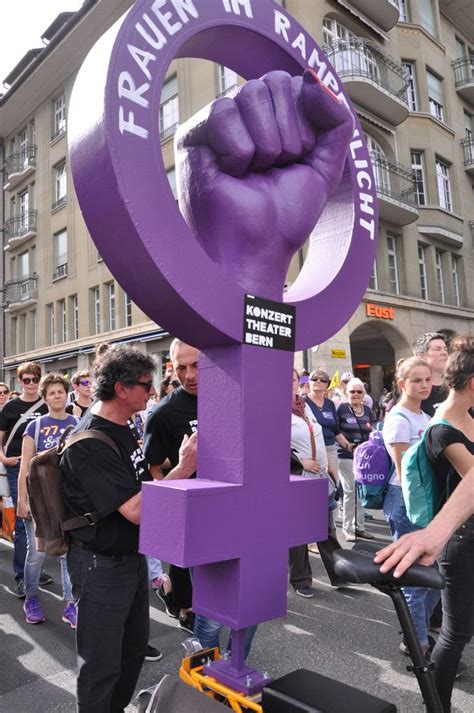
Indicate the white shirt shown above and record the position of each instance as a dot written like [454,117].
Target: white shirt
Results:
[403,426]
[301,442]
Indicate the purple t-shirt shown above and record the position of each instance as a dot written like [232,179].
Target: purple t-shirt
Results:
[50,431]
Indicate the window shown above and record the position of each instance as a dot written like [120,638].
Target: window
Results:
[34,329]
[455,276]
[24,200]
[393,264]
[74,312]
[418,170]
[439,275]
[14,336]
[171,173]
[60,185]
[353,56]
[427,18]
[127,310]
[23,265]
[380,166]
[468,125]
[111,304]
[435,96]
[23,141]
[227,79]
[59,116]
[403,9]
[62,321]
[95,293]
[24,346]
[422,267]
[334,31]
[374,281]
[60,255]
[51,324]
[169,108]
[409,68]
[444,185]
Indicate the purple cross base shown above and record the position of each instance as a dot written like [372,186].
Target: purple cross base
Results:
[254,181]
[235,522]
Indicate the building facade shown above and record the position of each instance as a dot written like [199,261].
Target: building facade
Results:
[408,66]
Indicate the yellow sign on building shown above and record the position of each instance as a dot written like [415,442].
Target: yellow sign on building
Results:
[338,353]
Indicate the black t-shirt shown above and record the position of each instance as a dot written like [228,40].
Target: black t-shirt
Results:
[437,396]
[438,438]
[95,478]
[356,429]
[9,415]
[70,407]
[172,418]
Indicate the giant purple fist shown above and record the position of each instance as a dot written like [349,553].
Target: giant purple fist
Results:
[255,172]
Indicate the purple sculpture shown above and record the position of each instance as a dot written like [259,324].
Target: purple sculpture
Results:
[256,172]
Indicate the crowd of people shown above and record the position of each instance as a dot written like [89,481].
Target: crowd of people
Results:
[106,581]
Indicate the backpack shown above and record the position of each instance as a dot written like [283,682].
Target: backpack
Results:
[424,496]
[43,484]
[372,469]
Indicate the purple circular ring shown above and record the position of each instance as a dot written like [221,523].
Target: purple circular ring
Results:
[123,190]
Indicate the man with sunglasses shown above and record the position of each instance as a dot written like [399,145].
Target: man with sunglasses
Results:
[14,418]
[109,576]
[82,385]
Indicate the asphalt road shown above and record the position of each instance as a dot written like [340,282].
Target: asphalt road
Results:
[350,634]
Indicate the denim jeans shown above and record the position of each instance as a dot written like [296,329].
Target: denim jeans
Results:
[207,631]
[154,567]
[112,627]
[421,600]
[19,542]
[34,563]
[457,566]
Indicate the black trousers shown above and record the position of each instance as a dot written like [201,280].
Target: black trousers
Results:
[182,587]
[112,627]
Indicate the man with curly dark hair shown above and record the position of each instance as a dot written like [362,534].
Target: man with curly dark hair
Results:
[109,576]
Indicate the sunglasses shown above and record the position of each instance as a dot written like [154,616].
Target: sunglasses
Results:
[356,392]
[4,393]
[85,382]
[147,385]
[321,379]
[31,380]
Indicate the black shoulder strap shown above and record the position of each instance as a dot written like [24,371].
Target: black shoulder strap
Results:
[90,518]
[84,435]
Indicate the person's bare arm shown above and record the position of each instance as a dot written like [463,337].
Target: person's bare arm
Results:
[131,509]
[398,451]
[13,460]
[186,465]
[425,545]
[459,457]
[28,450]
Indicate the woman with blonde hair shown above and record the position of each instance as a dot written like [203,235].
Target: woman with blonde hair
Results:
[404,425]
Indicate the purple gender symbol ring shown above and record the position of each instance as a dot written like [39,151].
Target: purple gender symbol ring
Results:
[122,186]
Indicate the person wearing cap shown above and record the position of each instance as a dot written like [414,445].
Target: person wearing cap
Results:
[304,387]
[340,396]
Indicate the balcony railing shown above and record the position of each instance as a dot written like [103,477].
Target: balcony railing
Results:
[463,70]
[59,203]
[228,90]
[17,163]
[17,292]
[60,271]
[168,131]
[468,148]
[363,58]
[22,225]
[394,180]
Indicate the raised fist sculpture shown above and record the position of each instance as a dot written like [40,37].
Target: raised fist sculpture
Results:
[255,172]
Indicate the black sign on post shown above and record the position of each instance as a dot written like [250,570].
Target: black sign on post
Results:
[269,324]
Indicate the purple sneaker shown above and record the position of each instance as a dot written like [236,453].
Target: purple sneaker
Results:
[70,614]
[33,611]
